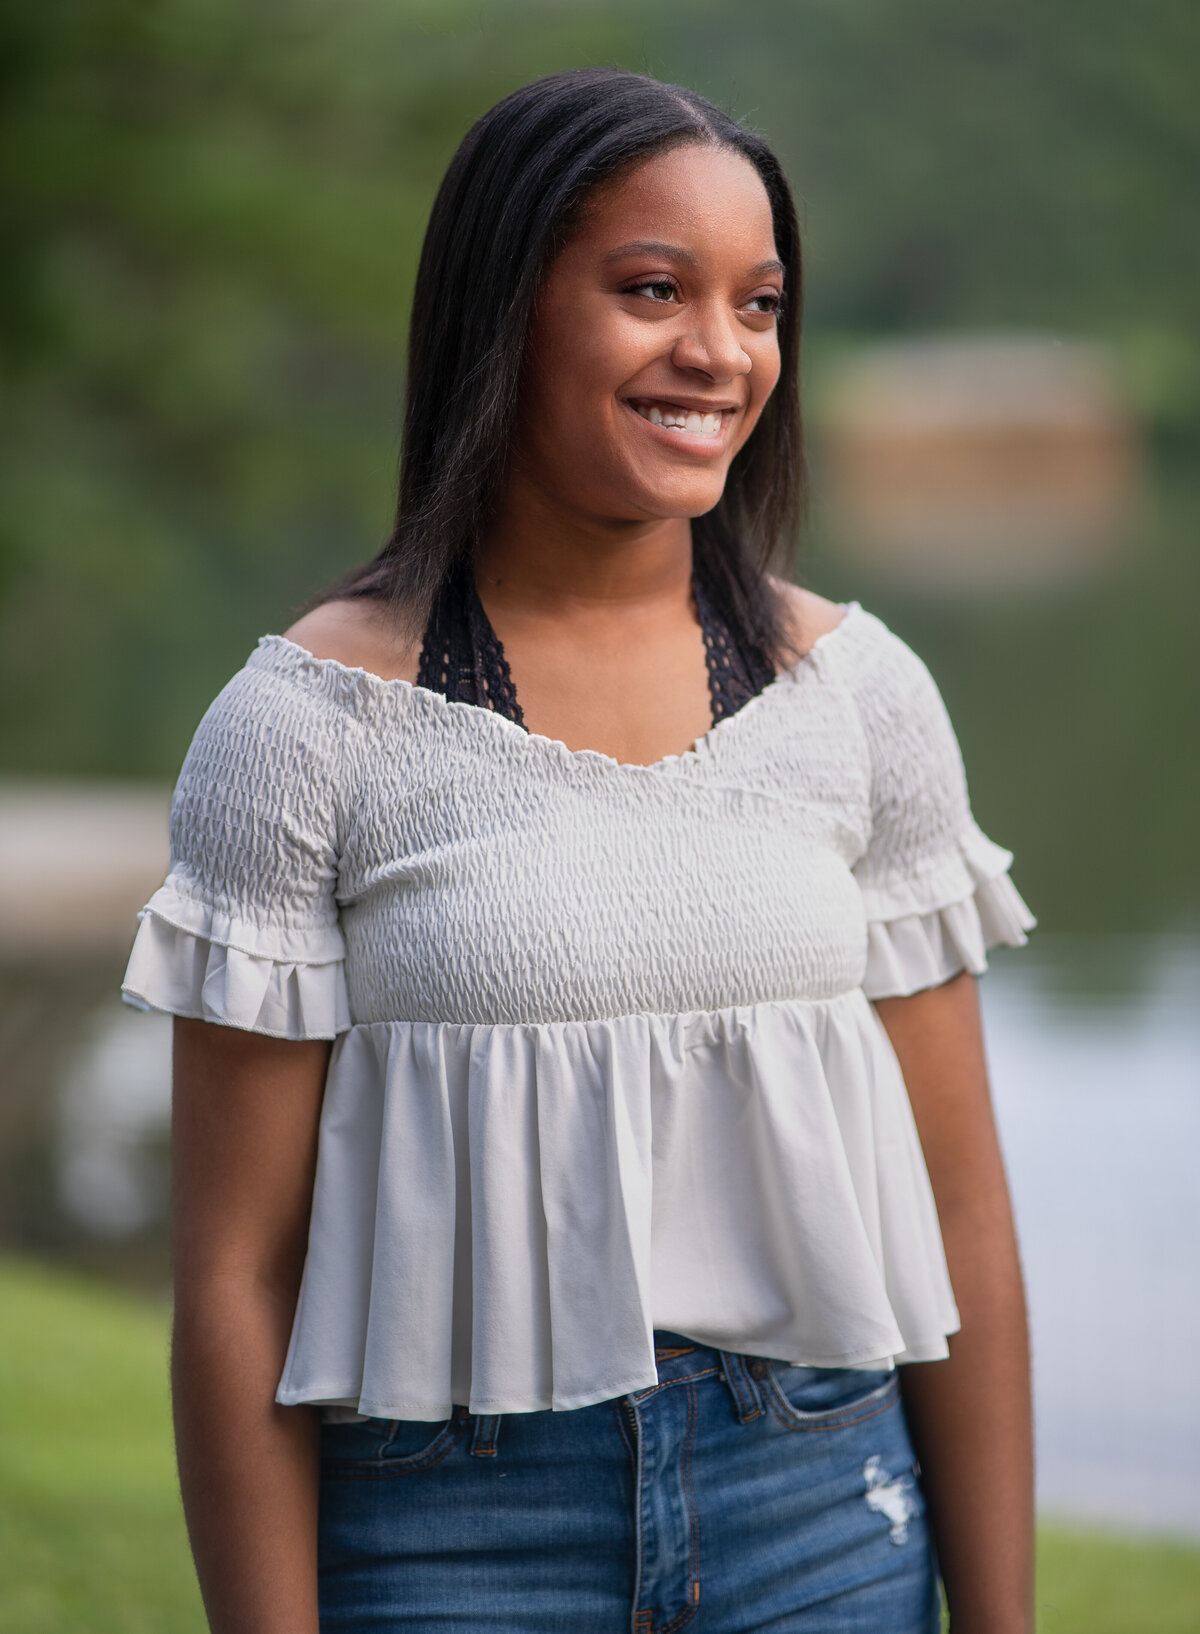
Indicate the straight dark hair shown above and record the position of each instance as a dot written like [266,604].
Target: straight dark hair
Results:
[505,208]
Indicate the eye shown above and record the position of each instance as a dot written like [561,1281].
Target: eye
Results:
[661,290]
[768,303]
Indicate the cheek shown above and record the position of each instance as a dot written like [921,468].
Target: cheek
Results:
[591,352]
[767,369]
[763,381]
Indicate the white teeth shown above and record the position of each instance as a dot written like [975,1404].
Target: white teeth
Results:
[689,420]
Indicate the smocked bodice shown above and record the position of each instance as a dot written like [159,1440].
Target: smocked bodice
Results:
[605,1056]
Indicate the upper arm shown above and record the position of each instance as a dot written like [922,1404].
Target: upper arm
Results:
[245,1115]
[937,896]
[243,945]
[937,1035]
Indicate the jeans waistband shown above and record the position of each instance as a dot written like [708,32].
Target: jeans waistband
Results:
[678,1358]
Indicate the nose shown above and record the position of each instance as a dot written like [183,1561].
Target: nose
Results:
[710,345]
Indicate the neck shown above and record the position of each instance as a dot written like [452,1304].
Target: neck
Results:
[552,563]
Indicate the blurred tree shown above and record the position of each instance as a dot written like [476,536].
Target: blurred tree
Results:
[211,225]
[968,164]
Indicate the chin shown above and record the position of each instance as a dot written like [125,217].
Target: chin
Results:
[675,501]
[690,506]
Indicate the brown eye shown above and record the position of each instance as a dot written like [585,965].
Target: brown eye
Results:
[658,289]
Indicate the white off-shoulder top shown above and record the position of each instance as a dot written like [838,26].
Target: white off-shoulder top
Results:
[605,1058]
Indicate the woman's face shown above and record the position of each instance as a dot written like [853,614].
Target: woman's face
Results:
[653,345]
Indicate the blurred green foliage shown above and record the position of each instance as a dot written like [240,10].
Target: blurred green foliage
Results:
[211,221]
[970,164]
[91,1530]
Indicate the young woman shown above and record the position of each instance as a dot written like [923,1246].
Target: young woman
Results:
[573,931]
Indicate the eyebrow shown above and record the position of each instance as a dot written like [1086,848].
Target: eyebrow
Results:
[675,252]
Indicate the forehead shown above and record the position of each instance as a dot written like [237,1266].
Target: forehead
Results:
[699,196]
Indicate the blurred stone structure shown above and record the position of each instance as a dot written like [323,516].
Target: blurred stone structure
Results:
[77,861]
[965,464]
[85,1084]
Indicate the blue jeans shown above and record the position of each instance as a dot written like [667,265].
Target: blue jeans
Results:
[737,1494]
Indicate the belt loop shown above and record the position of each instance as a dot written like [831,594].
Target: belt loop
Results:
[743,1386]
[487,1434]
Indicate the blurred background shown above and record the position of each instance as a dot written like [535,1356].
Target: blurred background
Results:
[211,219]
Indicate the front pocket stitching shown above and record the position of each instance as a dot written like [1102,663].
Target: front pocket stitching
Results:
[380,1469]
[829,1418]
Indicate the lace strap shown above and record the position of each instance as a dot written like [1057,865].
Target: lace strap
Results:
[738,669]
[462,657]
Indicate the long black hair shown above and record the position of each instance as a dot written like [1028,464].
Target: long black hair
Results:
[504,209]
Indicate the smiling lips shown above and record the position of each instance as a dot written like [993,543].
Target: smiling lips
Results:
[676,417]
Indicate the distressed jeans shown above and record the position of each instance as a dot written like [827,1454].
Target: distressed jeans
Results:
[736,1494]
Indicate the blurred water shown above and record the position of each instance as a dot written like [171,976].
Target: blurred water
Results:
[1098,1100]
[113,1118]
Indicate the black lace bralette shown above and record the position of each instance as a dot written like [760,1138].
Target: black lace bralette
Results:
[463,659]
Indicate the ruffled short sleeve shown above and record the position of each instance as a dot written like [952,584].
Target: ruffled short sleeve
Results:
[936,889]
[245,931]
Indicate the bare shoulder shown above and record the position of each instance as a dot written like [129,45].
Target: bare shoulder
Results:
[359,633]
[808,615]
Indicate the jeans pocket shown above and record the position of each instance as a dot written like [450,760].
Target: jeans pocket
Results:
[828,1398]
[383,1447]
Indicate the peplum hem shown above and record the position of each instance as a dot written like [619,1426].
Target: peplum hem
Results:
[921,933]
[193,960]
[504,1210]
[546,1195]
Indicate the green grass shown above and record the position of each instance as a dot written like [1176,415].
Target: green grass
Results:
[1093,1583]
[91,1534]
[91,1531]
